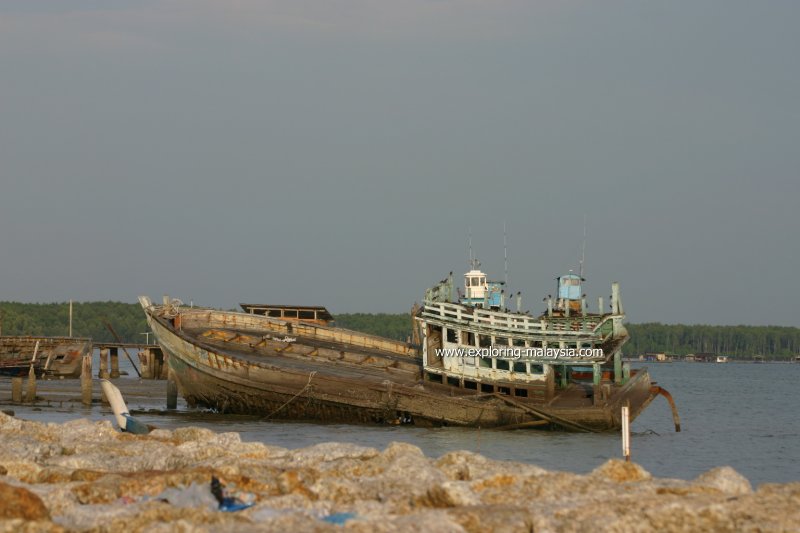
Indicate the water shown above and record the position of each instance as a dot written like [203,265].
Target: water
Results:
[736,414]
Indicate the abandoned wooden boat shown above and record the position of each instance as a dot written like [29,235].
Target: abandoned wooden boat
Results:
[564,365]
[55,356]
[285,362]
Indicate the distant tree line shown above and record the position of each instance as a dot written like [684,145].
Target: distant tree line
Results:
[88,320]
[128,320]
[736,341]
[392,326]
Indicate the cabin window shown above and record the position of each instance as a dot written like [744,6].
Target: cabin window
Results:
[483,281]
[501,341]
[469,360]
[504,390]
[586,345]
[451,335]
[484,341]
[467,338]
[519,342]
[485,387]
[274,313]
[522,393]
[290,313]
[537,369]
[470,385]
[536,344]
[521,367]
[486,362]
[501,364]
[436,378]
[307,314]
[453,381]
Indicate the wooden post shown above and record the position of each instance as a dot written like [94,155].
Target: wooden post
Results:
[114,362]
[172,390]
[30,395]
[597,393]
[145,365]
[163,364]
[626,372]
[86,380]
[626,433]
[16,390]
[103,364]
[550,381]
[564,377]
[618,367]
[597,374]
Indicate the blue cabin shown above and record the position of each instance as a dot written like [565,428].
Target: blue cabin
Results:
[570,293]
[569,287]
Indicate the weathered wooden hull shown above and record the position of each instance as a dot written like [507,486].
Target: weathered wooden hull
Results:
[56,356]
[338,381]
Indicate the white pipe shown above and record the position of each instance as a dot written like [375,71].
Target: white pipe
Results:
[116,401]
[626,433]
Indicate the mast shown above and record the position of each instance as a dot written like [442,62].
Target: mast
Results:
[583,248]
[505,253]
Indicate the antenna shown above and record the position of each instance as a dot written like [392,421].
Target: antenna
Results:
[473,262]
[505,252]
[583,248]
[470,246]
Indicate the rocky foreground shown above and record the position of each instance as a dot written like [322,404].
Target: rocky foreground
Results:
[85,475]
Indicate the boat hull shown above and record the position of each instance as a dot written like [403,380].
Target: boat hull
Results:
[55,356]
[327,385]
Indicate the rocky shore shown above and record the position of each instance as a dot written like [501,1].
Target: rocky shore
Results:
[83,475]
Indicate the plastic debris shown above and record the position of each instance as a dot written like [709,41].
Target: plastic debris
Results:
[227,501]
[134,426]
[338,519]
[213,496]
[195,495]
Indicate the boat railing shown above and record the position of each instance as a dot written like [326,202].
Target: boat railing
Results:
[510,323]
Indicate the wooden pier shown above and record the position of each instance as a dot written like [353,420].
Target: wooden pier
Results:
[152,363]
[73,393]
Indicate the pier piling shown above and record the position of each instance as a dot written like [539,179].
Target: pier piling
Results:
[86,380]
[172,391]
[114,362]
[16,390]
[103,374]
[30,395]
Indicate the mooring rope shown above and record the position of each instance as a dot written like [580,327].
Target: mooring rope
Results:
[290,400]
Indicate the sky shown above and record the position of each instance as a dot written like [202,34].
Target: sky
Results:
[342,152]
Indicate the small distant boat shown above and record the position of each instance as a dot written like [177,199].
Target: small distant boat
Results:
[55,356]
[722,359]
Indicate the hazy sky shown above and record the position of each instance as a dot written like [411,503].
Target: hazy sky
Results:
[339,152]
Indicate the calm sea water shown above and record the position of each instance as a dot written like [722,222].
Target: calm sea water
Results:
[736,414]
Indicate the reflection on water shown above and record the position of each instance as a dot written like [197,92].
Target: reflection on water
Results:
[742,415]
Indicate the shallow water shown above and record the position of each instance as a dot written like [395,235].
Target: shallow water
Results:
[736,414]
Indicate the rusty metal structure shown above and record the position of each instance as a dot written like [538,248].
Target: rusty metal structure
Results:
[254,363]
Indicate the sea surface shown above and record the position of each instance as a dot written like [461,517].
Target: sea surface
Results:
[742,415]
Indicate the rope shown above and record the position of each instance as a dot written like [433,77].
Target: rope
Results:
[172,310]
[290,400]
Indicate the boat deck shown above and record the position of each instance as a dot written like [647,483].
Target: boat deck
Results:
[339,361]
